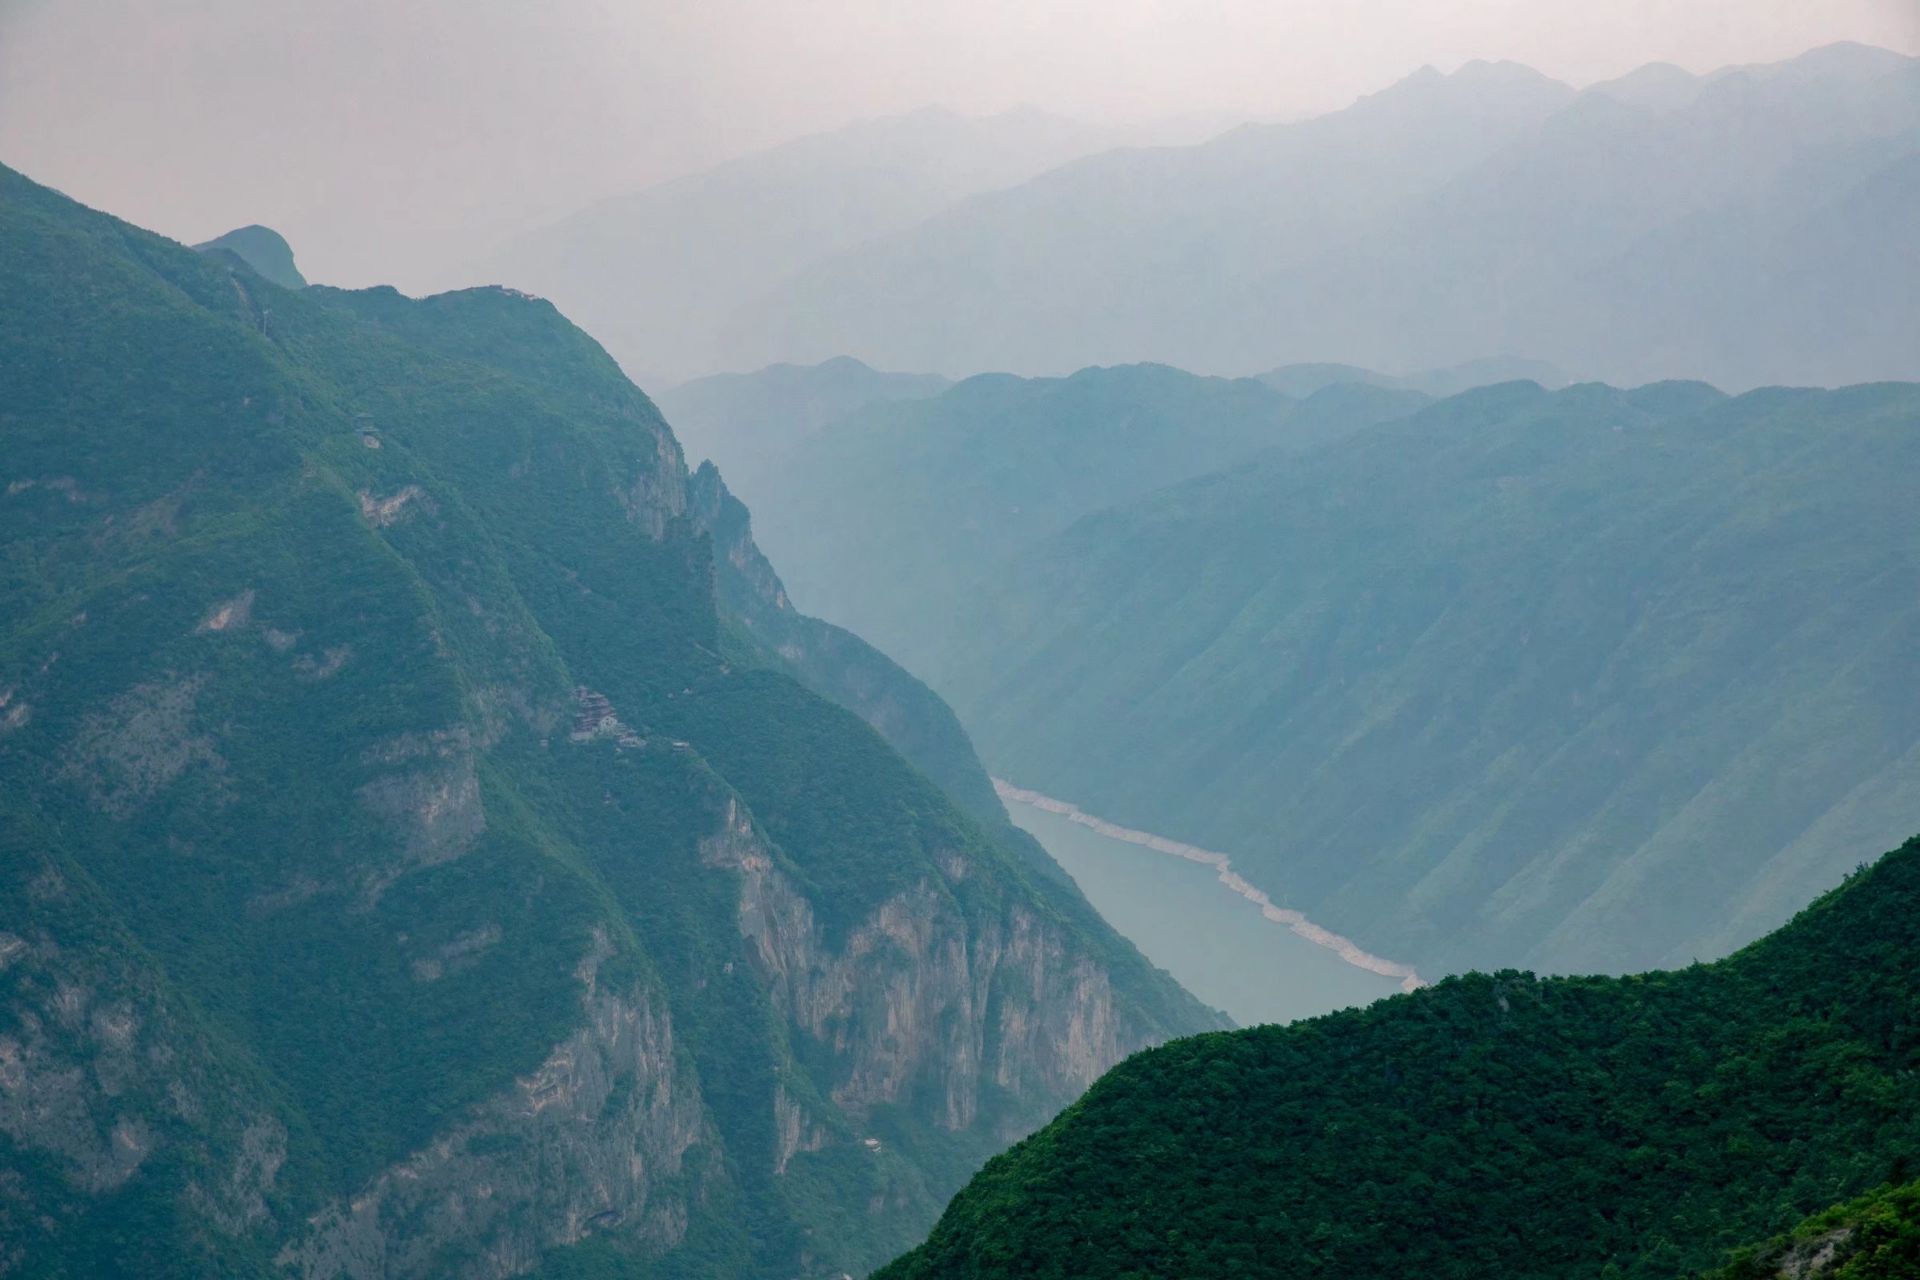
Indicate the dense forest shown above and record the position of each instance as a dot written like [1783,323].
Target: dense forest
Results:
[1494,1125]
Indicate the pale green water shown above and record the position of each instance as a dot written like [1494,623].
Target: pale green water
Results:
[1215,942]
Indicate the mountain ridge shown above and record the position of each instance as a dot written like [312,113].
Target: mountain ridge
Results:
[693,247]
[1492,1124]
[1348,237]
[1333,674]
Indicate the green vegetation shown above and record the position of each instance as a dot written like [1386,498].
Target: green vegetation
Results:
[1497,1125]
[261,250]
[1586,680]
[890,519]
[398,860]
[833,662]
[1876,1237]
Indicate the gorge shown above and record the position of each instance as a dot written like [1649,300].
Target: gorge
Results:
[1221,937]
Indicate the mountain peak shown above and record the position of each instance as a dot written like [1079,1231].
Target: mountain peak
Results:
[1657,86]
[1843,57]
[1496,70]
[1502,81]
[261,249]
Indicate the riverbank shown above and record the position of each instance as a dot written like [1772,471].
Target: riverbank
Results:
[1345,948]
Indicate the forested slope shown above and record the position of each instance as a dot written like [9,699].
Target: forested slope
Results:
[1493,1125]
[1588,679]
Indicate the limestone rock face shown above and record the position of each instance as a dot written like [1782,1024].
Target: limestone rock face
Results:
[591,1141]
[929,998]
[924,1004]
[103,1073]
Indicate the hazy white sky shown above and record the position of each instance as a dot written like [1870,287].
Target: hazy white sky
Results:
[378,133]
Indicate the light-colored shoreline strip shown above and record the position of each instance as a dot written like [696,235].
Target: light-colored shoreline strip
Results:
[1345,948]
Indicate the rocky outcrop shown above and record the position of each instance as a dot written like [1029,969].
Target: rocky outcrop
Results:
[656,494]
[591,1141]
[103,1078]
[229,615]
[794,1129]
[927,1000]
[428,795]
[139,744]
[927,1003]
[383,511]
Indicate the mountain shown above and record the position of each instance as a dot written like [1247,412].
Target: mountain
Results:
[261,250]
[1303,380]
[1493,1125]
[1483,372]
[1657,86]
[655,273]
[1587,680]
[1307,377]
[746,423]
[408,864]
[1747,227]
[887,520]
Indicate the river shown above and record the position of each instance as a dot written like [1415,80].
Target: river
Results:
[1257,965]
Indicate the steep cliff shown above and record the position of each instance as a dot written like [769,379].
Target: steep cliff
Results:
[404,876]
[839,665]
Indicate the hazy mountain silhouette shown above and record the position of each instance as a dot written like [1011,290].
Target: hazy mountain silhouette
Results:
[1305,379]
[891,518]
[1749,226]
[746,422]
[652,274]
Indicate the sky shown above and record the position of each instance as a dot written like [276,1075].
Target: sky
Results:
[389,138]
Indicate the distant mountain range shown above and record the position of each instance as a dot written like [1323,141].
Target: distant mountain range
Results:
[1587,679]
[754,426]
[892,499]
[745,422]
[1747,227]
[1305,379]
[1466,680]
[654,275]
[893,518]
